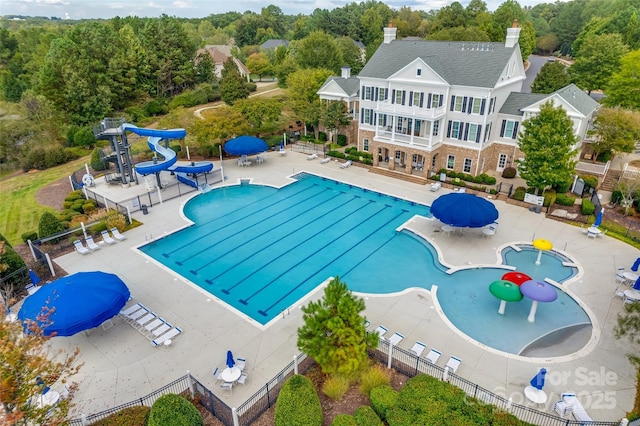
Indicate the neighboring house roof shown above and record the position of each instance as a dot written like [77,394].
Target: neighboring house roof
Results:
[350,86]
[220,54]
[517,101]
[578,99]
[459,63]
[273,43]
[571,94]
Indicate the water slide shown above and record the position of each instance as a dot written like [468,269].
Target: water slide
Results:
[184,172]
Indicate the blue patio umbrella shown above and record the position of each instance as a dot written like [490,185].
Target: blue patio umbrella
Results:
[75,303]
[636,286]
[245,145]
[635,265]
[464,210]
[598,221]
[33,277]
[538,380]
[230,361]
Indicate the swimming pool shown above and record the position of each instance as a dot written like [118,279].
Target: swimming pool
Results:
[261,249]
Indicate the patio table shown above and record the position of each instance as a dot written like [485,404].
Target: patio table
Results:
[231,374]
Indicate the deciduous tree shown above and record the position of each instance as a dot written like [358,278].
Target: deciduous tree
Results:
[232,86]
[258,63]
[334,333]
[303,99]
[547,143]
[597,60]
[623,89]
[260,113]
[319,50]
[552,76]
[616,131]
[334,117]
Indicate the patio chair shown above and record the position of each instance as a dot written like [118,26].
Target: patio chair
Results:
[217,373]
[571,404]
[80,248]
[396,338]
[166,336]
[117,235]
[418,348]
[325,160]
[345,164]
[32,288]
[453,364]
[243,380]
[433,356]
[435,186]
[241,362]
[381,330]
[619,292]
[620,278]
[312,156]
[91,244]
[107,238]
[227,388]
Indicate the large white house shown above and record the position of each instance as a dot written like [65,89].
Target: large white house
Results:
[421,106]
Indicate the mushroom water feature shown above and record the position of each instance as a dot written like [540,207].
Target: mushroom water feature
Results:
[516,277]
[506,291]
[537,291]
[542,245]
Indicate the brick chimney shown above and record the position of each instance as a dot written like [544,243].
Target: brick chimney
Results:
[346,72]
[513,34]
[389,33]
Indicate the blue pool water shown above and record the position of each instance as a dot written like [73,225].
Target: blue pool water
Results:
[261,249]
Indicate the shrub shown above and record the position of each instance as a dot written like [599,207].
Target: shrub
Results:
[565,200]
[30,235]
[563,187]
[616,196]
[342,140]
[132,416]
[372,378]
[382,399]
[509,172]
[549,197]
[116,220]
[171,409]
[343,420]
[135,114]
[365,416]
[96,160]
[89,206]
[155,107]
[298,404]
[322,136]
[588,207]
[14,263]
[519,193]
[592,181]
[335,387]
[74,195]
[49,225]
[84,137]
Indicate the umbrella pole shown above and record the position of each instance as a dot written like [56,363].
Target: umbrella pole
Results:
[532,312]
[503,305]
[539,258]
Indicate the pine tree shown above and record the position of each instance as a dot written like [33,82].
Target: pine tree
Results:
[232,85]
[334,334]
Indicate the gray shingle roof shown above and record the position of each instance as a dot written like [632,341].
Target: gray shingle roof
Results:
[350,85]
[516,101]
[459,63]
[578,99]
[273,43]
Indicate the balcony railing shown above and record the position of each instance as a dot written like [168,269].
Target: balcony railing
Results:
[410,111]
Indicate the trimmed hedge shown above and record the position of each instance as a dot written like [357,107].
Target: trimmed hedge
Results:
[174,410]
[365,416]
[49,225]
[298,404]
[565,200]
[509,172]
[588,207]
[343,420]
[382,399]
[132,416]
[519,193]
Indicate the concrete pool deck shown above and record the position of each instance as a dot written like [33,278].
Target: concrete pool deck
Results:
[121,365]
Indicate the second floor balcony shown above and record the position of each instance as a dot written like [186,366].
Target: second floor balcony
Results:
[410,111]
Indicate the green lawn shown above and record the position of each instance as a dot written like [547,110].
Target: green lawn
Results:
[19,211]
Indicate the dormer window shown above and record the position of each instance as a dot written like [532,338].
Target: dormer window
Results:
[418,72]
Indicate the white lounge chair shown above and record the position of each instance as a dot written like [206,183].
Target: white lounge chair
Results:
[91,244]
[134,316]
[80,248]
[461,190]
[345,164]
[107,238]
[166,336]
[325,160]
[453,364]
[117,235]
[435,186]
[433,356]
[143,320]
[131,309]
[157,322]
[157,332]
[32,288]
[381,330]
[418,348]
[571,404]
[396,338]
[312,156]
